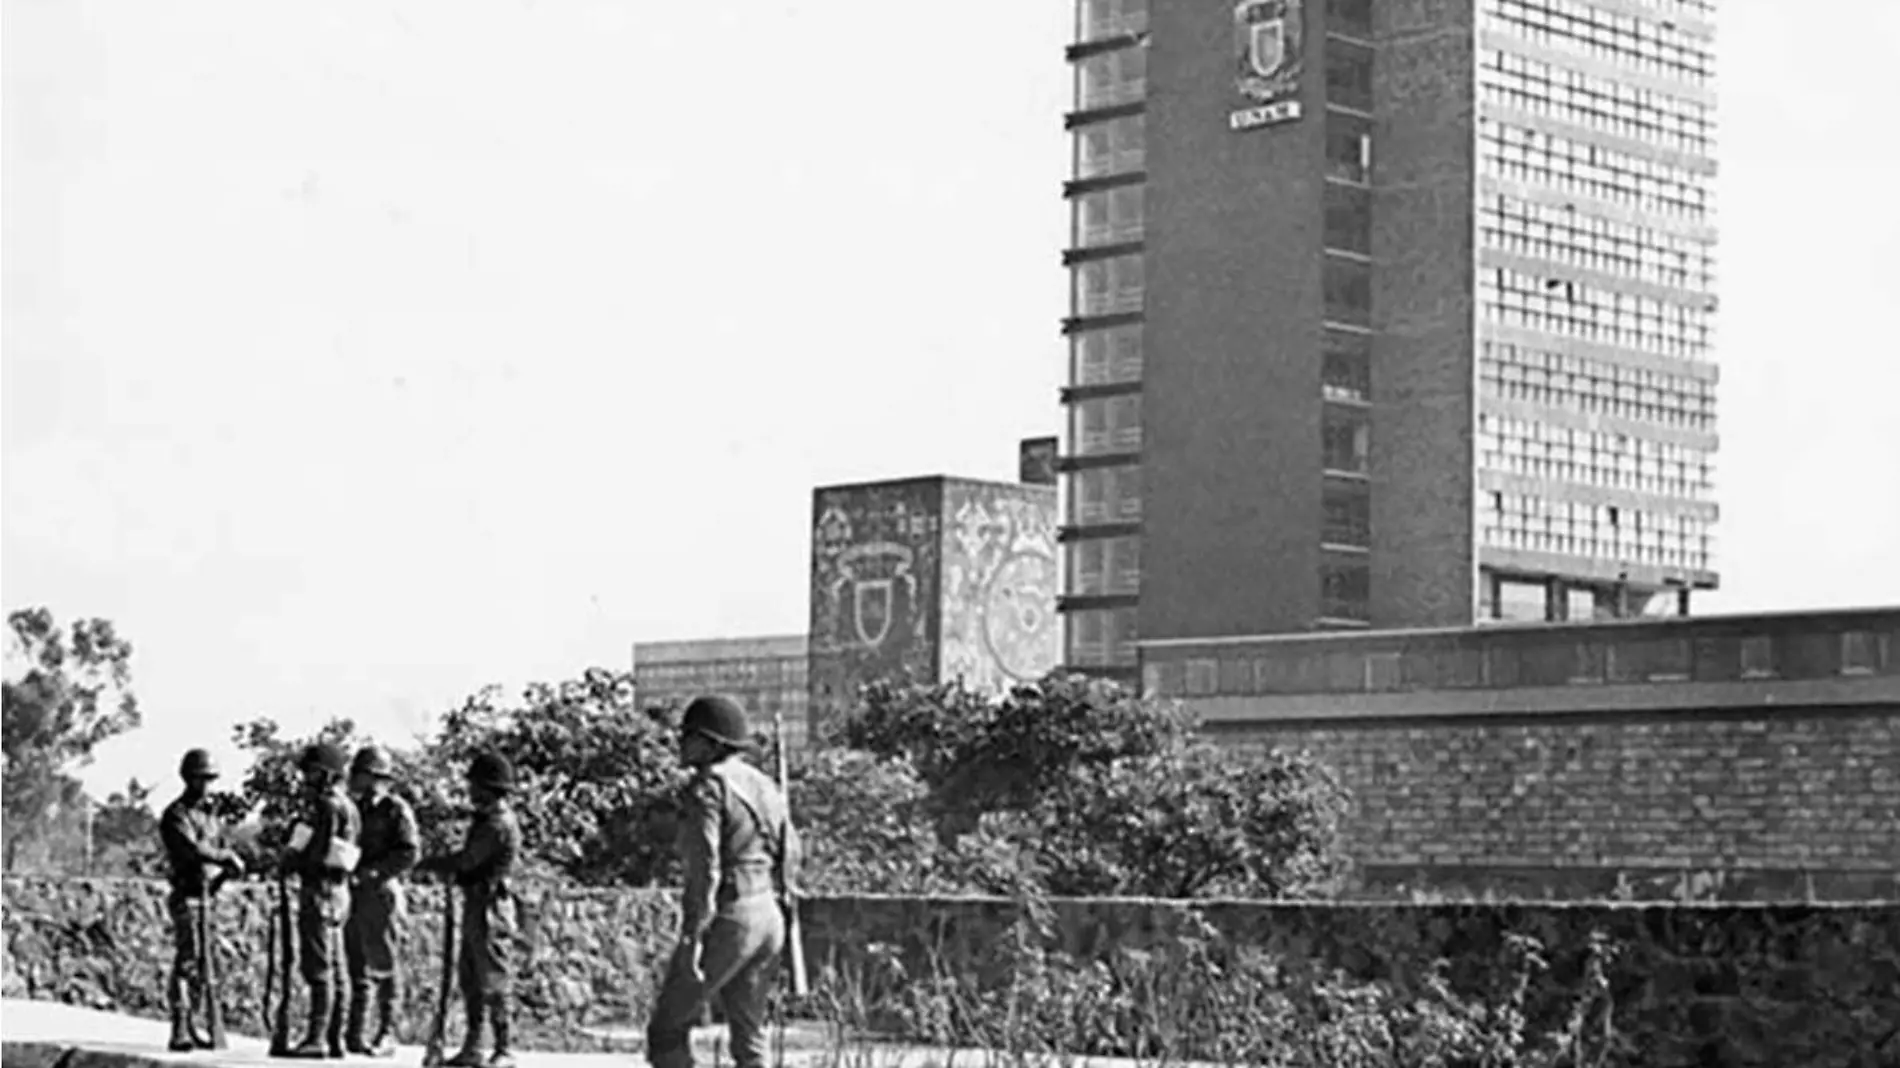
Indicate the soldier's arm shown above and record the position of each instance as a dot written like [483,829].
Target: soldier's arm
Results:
[184,840]
[699,853]
[483,847]
[322,822]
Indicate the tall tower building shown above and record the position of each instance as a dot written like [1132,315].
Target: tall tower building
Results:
[1386,313]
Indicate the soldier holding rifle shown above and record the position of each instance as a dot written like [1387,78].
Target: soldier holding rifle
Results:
[373,933]
[482,868]
[741,858]
[197,861]
[323,852]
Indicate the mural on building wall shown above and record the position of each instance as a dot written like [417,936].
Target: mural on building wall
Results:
[874,582]
[1000,580]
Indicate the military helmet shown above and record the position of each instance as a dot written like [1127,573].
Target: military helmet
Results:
[324,757]
[197,765]
[718,718]
[491,770]
[371,760]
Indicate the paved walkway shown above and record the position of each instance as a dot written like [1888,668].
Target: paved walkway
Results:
[45,1034]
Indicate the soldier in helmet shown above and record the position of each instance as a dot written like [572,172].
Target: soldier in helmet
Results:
[197,860]
[482,868]
[373,934]
[323,853]
[741,857]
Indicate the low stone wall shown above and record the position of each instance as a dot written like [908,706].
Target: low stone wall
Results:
[1749,984]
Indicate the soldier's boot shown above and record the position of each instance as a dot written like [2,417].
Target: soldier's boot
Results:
[470,1055]
[182,1039]
[333,1027]
[359,1006]
[384,1045]
[315,1045]
[498,1018]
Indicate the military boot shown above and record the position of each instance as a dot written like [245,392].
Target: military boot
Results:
[333,1028]
[470,1055]
[315,1045]
[182,1039]
[384,1045]
[504,1055]
[359,1007]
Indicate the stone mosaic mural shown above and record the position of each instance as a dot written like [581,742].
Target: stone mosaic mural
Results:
[1000,580]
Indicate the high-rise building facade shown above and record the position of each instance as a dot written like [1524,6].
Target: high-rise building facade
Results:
[766,673]
[1386,313]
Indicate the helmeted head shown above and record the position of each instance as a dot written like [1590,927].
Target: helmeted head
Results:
[370,767]
[322,764]
[198,768]
[712,727]
[490,773]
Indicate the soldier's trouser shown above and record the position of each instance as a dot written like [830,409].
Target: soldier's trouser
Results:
[183,985]
[738,957]
[322,908]
[371,939]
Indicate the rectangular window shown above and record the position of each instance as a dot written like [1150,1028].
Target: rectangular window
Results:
[1346,435]
[1351,17]
[1348,147]
[1522,602]
[1106,287]
[1102,357]
[1107,217]
[1102,637]
[1346,515]
[1096,19]
[1110,78]
[1099,566]
[1105,495]
[1349,75]
[1346,373]
[1105,425]
[1348,218]
[1345,591]
[1116,146]
[1346,287]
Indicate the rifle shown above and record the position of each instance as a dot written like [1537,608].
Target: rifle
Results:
[270,967]
[432,1052]
[794,934]
[208,969]
[280,1024]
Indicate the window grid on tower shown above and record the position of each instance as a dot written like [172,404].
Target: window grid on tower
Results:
[1099,19]
[1524,373]
[1541,450]
[1520,154]
[1108,286]
[1592,242]
[1105,357]
[1594,314]
[1107,217]
[1605,532]
[1107,79]
[1103,425]
[1650,45]
[1111,147]
[1615,108]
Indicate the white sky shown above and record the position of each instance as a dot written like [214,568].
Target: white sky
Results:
[358,354]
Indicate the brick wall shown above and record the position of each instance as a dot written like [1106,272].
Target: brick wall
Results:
[1797,803]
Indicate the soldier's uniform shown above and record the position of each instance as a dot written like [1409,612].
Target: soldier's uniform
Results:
[323,852]
[196,861]
[482,867]
[372,937]
[741,857]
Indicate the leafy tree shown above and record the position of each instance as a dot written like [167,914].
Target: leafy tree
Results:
[1077,787]
[125,834]
[73,692]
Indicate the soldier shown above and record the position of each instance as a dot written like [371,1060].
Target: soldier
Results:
[323,852]
[373,934]
[197,861]
[741,856]
[481,868]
